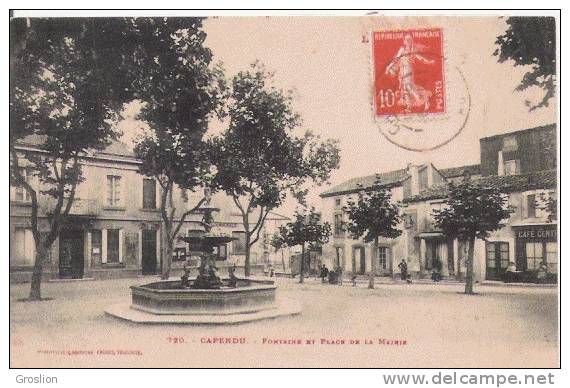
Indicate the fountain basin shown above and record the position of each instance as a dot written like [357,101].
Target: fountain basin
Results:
[167,297]
[167,303]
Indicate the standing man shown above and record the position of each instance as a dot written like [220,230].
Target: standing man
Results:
[403,269]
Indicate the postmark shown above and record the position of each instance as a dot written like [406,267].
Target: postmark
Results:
[421,101]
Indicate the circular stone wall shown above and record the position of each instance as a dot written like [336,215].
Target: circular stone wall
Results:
[167,298]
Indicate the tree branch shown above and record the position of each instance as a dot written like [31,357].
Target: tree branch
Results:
[186,214]
[238,203]
[73,187]
[259,225]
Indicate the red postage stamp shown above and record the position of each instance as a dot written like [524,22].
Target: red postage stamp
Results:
[409,77]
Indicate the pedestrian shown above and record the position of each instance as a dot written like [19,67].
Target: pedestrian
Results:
[185,279]
[542,273]
[353,280]
[403,269]
[510,273]
[324,273]
[436,273]
[232,282]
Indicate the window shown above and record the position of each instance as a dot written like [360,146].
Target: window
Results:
[510,144]
[238,246]
[383,257]
[337,202]
[534,255]
[195,232]
[338,227]
[20,193]
[96,243]
[113,190]
[497,255]
[435,207]
[113,246]
[512,167]
[535,205]
[194,247]
[222,252]
[149,193]
[531,206]
[24,248]
[552,257]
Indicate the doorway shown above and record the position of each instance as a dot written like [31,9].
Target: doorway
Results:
[71,259]
[359,258]
[149,252]
[497,260]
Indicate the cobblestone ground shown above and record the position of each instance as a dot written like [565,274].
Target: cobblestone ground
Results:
[499,327]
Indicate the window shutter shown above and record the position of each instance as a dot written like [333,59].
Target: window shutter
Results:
[149,193]
[120,245]
[157,194]
[531,205]
[89,246]
[104,246]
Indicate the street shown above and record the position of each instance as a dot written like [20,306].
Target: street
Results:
[394,325]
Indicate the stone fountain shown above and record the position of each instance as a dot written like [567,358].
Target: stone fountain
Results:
[207,298]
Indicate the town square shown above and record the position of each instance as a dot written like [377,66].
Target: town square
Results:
[505,326]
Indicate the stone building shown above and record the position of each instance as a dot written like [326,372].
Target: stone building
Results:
[527,238]
[114,225]
[521,163]
[354,256]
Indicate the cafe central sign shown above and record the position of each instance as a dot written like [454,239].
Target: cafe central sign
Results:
[542,232]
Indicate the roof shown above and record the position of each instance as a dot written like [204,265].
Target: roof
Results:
[542,127]
[277,217]
[507,183]
[454,172]
[116,148]
[353,185]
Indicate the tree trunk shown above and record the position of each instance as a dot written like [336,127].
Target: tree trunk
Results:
[469,264]
[35,289]
[301,276]
[166,245]
[373,259]
[247,269]
[166,260]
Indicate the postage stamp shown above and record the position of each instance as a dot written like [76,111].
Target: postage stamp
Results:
[421,100]
[409,72]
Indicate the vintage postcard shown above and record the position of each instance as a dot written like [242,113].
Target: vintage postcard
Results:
[284,191]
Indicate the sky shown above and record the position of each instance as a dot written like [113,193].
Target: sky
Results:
[326,63]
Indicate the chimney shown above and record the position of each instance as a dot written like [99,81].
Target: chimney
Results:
[413,171]
[430,173]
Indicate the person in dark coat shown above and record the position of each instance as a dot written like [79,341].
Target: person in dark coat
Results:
[436,273]
[403,269]
[324,273]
